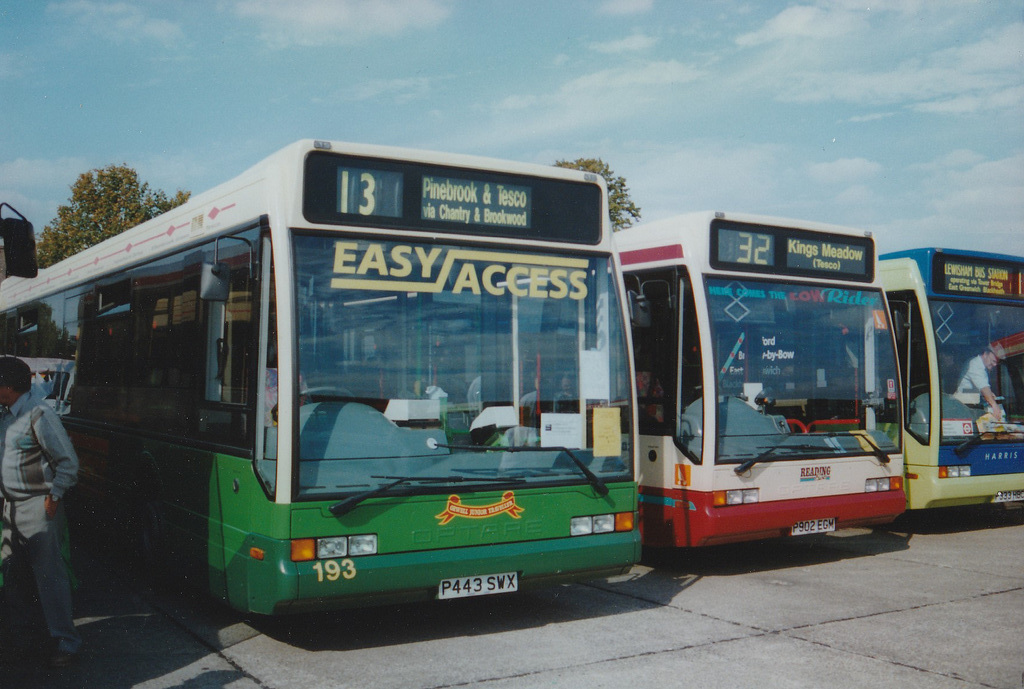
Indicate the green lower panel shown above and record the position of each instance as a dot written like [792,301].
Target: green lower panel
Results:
[276,585]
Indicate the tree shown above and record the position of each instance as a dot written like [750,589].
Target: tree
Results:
[104,202]
[621,208]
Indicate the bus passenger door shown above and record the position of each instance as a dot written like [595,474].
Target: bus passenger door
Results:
[915,372]
[226,409]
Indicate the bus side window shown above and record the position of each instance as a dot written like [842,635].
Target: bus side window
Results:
[229,327]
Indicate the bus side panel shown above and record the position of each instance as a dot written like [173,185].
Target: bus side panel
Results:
[687,518]
[252,526]
[123,476]
[994,469]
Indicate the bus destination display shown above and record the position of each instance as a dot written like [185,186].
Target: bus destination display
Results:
[960,275]
[404,195]
[777,249]
[467,201]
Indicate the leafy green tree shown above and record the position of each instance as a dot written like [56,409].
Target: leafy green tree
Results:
[104,202]
[621,208]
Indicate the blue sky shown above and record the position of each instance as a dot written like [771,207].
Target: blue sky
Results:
[905,118]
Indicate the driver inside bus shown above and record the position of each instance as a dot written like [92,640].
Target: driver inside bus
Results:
[975,378]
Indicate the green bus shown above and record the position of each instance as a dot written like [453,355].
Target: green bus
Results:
[351,375]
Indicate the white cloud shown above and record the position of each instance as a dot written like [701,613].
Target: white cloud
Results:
[8,65]
[634,78]
[597,99]
[872,117]
[843,171]
[35,187]
[969,203]
[805,23]
[118,22]
[982,187]
[1001,50]
[966,103]
[625,6]
[836,52]
[857,196]
[397,90]
[322,22]
[957,159]
[631,44]
[35,174]
[705,175]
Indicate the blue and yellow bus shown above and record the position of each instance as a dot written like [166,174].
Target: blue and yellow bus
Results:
[961,350]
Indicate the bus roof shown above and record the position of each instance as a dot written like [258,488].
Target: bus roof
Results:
[690,230]
[270,188]
[923,255]
[955,272]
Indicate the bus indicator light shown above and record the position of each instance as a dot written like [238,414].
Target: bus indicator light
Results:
[303,550]
[624,521]
[682,475]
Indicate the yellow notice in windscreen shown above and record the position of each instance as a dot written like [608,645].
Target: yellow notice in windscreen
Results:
[607,432]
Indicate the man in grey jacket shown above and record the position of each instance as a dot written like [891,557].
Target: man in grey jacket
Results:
[37,465]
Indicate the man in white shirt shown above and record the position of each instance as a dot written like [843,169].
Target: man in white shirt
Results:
[975,378]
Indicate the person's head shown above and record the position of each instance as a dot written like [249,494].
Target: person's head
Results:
[992,356]
[15,379]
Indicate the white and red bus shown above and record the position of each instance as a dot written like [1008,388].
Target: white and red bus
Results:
[767,379]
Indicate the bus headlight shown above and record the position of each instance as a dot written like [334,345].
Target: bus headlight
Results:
[601,523]
[362,545]
[306,549]
[581,526]
[604,523]
[745,496]
[955,471]
[327,548]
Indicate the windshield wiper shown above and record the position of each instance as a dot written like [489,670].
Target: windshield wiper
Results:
[350,503]
[873,447]
[599,487]
[743,467]
[966,445]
